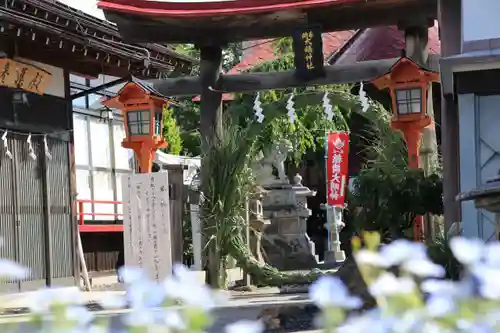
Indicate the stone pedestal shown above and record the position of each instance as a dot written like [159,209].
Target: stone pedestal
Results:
[286,243]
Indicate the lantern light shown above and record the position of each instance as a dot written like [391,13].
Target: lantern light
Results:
[142,107]
[409,101]
[408,84]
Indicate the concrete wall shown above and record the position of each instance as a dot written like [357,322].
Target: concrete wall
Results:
[479,157]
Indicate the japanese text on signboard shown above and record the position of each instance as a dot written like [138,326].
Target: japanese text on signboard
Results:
[308,48]
[15,74]
[308,52]
[337,167]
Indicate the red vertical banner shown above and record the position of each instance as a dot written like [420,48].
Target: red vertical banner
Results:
[337,170]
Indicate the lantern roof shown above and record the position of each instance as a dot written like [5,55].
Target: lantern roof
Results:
[134,89]
[235,20]
[405,70]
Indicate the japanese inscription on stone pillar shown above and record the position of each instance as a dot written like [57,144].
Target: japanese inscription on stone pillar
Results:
[146,219]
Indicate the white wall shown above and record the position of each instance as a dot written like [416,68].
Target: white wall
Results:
[98,153]
[480,19]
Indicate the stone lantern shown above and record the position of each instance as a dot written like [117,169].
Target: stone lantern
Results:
[257,222]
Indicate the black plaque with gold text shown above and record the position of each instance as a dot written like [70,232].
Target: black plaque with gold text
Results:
[308,51]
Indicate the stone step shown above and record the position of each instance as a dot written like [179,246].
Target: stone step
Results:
[279,313]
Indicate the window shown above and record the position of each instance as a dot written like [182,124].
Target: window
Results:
[138,122]
[158,116]
[81,137]
[103,191]
[79,102]
[121,154]
[409,101]
[100,143]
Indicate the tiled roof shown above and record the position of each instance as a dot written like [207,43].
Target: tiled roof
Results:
[371,44]
[260,51]
[382,43]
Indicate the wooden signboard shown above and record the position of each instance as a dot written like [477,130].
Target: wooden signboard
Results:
[308,52]
[147,232]
[15,74]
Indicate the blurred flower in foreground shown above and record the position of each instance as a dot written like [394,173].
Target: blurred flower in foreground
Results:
[388,284]
[43,300]
[402,250]
[12,270]
[245,326]
[423,268]
[185,287]
[330,291]
[467,251]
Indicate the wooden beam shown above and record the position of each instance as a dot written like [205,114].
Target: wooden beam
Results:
[250,82]
[209,31]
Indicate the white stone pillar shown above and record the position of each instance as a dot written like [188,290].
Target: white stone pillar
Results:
[197,239]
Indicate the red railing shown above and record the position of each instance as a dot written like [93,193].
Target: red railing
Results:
[101,227]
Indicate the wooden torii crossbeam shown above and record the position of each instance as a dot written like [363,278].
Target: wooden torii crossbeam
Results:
[250,82]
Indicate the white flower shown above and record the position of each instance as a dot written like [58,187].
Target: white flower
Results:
[185,287]
[145,294]
[467,251]
[439,306]
[140,318]
[365,323]
[441,287]
[79,314]
[423,268]
[331,291]
[96,329]
[130,275]
[402,250]
[492,254]
[173,320]
[366,257]
[489,280]
[184,274]
[12,270]
[388,284]
[42,300]
[245,326]
[112,301]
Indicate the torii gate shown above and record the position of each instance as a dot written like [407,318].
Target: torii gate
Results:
[211,25]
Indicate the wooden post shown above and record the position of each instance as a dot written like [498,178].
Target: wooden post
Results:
[450,30]
[210,125]
[417,48]
[211,100]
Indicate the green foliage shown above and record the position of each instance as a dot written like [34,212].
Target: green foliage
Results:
[307,133]
[171,132]
[389,202]
[440,252]
[226,190]
[187,115]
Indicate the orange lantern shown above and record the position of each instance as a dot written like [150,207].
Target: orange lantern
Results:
[142,109]
[408,84]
